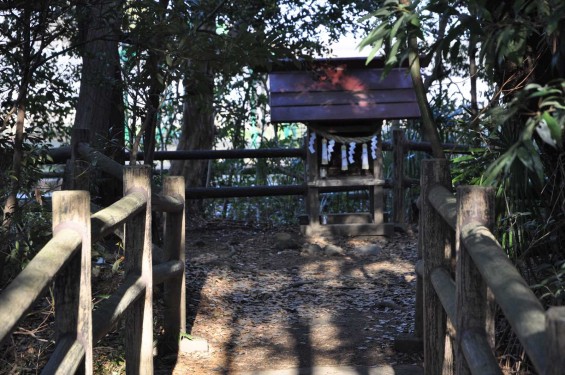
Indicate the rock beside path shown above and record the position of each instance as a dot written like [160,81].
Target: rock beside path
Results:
[333,250]
[285,241]
[312,249]
[367,250]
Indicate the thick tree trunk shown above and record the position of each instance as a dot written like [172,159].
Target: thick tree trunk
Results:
[197,131]
[100,102]
[153,102]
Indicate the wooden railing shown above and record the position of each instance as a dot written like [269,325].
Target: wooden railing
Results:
[66,261]
[399,147]
[483,276]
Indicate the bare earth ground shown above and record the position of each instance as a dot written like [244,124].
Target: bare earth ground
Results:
[263,302]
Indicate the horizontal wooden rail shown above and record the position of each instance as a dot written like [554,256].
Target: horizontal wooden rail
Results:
[519,304]
[445,289]
[66,357]
[481,266]
[107,220]
[65,259]
[115,169]
[62,154]
[109,311]
[478,353]
[166,271]
[20,295]
[227,154]
[445,204]
[263,191]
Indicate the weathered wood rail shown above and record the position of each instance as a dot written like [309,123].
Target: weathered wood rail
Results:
[483,276]
[399,146]
[66,261]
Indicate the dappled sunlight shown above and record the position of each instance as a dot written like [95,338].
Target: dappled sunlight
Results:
[260,307]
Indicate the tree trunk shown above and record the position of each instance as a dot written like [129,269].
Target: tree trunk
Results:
[100,103]
[11,205]
[197,131]
[153,102]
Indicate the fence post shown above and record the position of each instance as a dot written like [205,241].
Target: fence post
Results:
[555,329]
[73,296]
[311,172]
[139,316]
[435,239]
[175,292]
[376,193]
[398,176]
[475,204]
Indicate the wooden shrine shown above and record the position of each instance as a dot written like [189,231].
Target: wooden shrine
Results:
[343,102]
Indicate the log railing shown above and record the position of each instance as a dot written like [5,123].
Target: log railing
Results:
[483,276]
[65,260]
[399,147]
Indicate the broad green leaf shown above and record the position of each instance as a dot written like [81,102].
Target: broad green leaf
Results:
[374,50]
[525,157]
[554,127]
[395,28]
[544,133]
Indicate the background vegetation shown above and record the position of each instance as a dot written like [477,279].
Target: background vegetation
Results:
[146,75]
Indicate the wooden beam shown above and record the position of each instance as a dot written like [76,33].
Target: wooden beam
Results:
[109,311]
[139,330]
[105,221]
[555,328]
[175,292]
[475,204]
[478,353]
[21,294]
[435,239]
[66,358]
[515,298]
[299,99]
[167,270]
[350,113]
[72,290]
[445,289]
[445,203]
[352,80]
[398,176]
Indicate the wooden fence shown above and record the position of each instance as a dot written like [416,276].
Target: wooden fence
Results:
[66,260]
[399,147]
[483,276]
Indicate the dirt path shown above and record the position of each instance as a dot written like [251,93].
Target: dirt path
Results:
[266,298]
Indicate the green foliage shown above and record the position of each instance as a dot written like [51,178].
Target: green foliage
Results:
[35,62]
[32,222]
[397,23]
[517,130]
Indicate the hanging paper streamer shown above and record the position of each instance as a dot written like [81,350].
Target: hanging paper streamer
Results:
[374,147]
[365,158]
[351,152]
[331,145]
[311,144]
[324,151]
[343,158]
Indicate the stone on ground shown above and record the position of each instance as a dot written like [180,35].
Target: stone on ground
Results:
[367,250]
[194,345]
[333,250]
[312,249]
[285,240]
